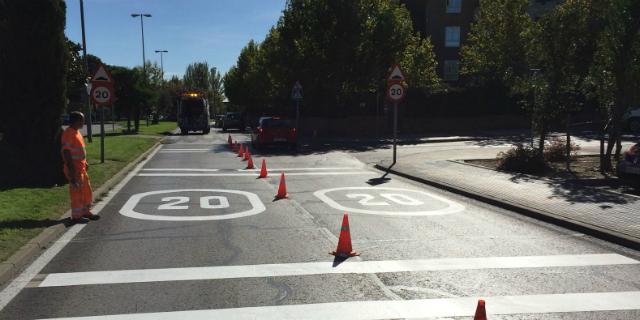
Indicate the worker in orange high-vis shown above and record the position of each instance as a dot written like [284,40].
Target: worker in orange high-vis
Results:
[75,169]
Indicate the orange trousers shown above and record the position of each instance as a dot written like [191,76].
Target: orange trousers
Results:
[81,196]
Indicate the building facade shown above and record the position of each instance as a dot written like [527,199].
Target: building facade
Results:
[447,22]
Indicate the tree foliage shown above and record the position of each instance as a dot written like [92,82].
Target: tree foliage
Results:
[32,101]
[339,50]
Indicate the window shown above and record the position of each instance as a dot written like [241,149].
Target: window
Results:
[452,37]
[454,6]
[451,70]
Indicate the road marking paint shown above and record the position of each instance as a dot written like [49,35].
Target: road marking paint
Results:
[251,174]
[424,308]
[185,149]
[453,207]
[128,208]
[172,169]
[188,151]
[315,268]
[301,169]
[11,290]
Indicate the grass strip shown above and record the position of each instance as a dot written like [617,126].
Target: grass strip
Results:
[25,212]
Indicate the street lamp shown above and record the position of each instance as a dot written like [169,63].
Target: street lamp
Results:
[86,72]
[141,15]
[161,63]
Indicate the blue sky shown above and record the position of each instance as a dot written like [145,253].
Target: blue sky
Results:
[191,30]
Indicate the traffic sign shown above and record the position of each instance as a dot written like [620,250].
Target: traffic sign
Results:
[101,93]
[395,92]
[396,74]
[102,75]
[296,92]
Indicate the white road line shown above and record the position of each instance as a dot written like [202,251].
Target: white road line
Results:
[172,169]
[300,169]
[425,308]
[185,149]
[251,174]
[23,279]
[314,268]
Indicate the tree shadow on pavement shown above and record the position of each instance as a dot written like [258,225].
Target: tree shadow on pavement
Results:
[578,192]
[33,224]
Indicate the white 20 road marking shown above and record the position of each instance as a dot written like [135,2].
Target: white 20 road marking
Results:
[205,202]
[426,308]
[397,197]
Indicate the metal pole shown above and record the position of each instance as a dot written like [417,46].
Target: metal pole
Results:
[144,63]
[162,67]
[298,116]
[102,134]
[86,71]
[395,131]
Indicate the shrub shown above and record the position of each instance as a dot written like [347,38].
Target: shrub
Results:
[522,159]
[556,151]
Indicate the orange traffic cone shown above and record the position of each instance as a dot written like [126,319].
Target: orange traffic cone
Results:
[240,152]
[481,313]
[230,141]
[282,189]
[250,163]
[263,170]
[247,154]
[344,249]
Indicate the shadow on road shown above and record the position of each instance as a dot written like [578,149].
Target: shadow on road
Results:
[33,224]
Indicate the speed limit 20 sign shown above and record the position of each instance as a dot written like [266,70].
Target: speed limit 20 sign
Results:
[395,88]
[101,94]
[101,87]
[395,92]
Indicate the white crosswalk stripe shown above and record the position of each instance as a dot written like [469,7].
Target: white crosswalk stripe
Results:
[425,308]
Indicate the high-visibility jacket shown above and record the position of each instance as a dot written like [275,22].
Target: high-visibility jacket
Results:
[72,140]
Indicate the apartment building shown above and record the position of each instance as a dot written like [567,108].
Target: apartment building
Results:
[447,22]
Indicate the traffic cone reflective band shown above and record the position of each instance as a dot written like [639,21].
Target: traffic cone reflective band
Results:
[282,189]
[263,170]
[481,313]
[250,163]
[247,154]
[344,249]
[241,152]
[230,141]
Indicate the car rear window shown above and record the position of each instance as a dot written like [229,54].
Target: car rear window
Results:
[272,123]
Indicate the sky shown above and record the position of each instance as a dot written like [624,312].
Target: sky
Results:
[191,30]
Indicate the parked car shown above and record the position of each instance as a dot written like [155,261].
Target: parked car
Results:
[632,119]
[217,120]
[233,120]
[274,131]
[629,166]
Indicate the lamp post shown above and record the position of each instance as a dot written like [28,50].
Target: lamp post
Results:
[162,63]
[141,15]
[86,71]
[144,61]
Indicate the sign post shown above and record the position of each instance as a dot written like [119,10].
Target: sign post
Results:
[296,95]
[395,93]
[102,96]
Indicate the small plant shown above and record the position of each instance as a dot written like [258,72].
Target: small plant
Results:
[556,151]
[522,159]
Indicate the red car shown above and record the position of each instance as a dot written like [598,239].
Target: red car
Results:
[272,131]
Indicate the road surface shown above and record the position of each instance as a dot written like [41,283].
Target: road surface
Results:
[190,235]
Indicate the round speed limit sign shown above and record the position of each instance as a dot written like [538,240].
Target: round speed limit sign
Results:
[101,94]
[395,92]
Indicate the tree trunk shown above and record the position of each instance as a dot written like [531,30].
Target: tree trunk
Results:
[568,146]
[543,137]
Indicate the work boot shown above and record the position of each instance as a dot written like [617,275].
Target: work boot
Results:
[81,220]
[91,216]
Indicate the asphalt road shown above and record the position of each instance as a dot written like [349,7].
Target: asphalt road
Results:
[189,235]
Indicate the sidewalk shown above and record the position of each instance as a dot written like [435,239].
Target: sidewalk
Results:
[608,215]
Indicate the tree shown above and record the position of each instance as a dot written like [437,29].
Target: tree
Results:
[132,94]
[196,77]
[615,73]
[338,50]
[216,88]
[32,101]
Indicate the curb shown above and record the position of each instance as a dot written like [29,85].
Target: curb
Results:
[592,230]
[27,253]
